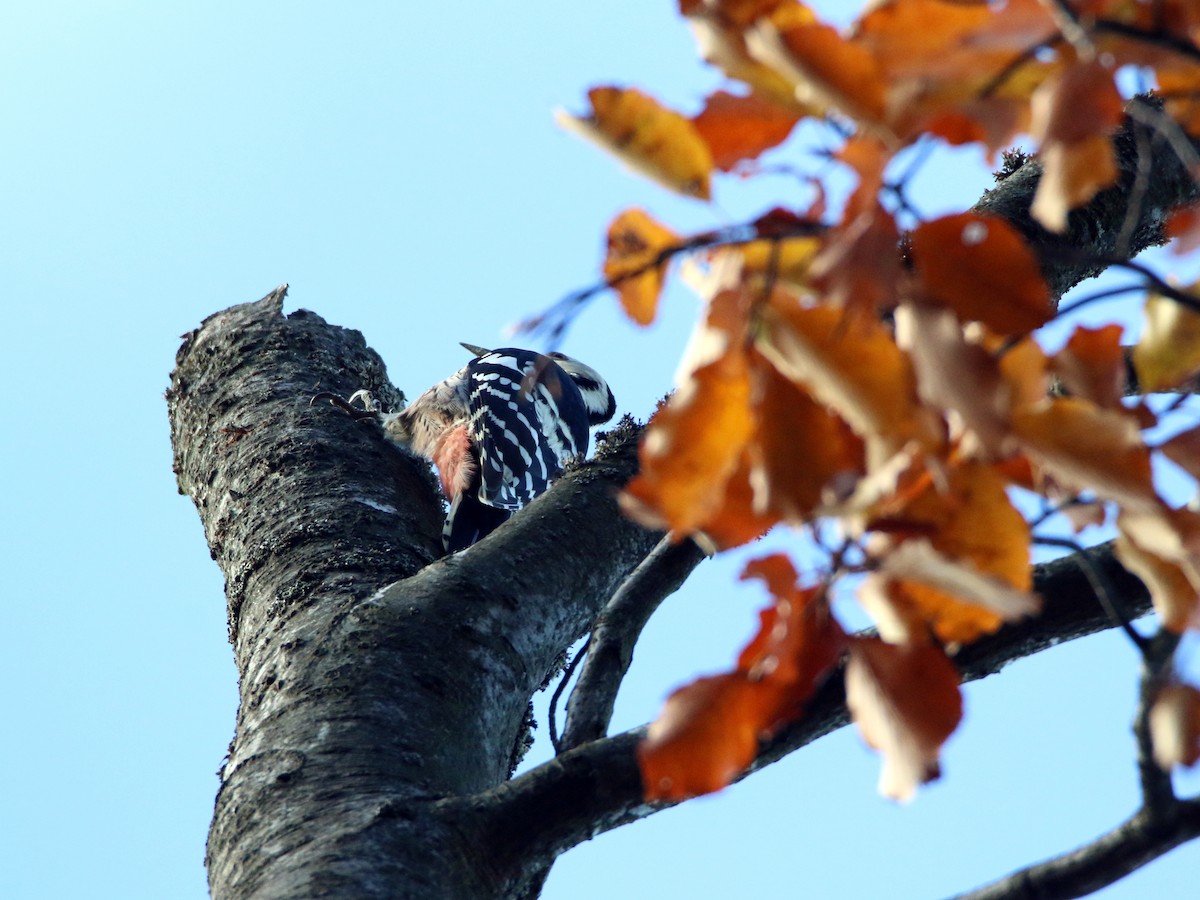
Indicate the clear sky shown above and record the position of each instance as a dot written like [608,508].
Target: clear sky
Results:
[398,165]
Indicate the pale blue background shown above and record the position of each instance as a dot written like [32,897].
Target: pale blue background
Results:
[398,165]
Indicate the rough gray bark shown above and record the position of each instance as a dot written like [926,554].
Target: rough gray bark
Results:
[1155,160]
[384,691]
[375,680]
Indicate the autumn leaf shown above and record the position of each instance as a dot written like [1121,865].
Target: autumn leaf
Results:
[1173,595]
[721,27]
[709,730]
[978,266]
[635,243]
[955,555]
[1085,447]
[695,441]
[1168,352]
[940,64]
[1178,89]
[1175,726]
[739,517]
[958,375]
[705,735]
[824,69]
[806,457]
[1183,228]
[1092,365]
[1184,450]
[651,139]
[852,365]
[859,266]
[906,702]
[786,261]
[1074,113]
[798,640]
[741,128]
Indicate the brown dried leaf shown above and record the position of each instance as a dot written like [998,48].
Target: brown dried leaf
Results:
[1074,113]
[1092,365]
[978,266]
[1084,447]
[906,702]
[1175,726]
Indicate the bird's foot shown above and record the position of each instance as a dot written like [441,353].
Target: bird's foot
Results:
[369,410]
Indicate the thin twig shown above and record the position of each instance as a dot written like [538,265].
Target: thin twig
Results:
[617,630]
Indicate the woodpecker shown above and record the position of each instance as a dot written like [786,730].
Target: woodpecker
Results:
[499,431]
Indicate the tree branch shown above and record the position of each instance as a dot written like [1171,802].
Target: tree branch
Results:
[597,786]
[1120,221]
[1137,841]
[1162,823]
[615,634]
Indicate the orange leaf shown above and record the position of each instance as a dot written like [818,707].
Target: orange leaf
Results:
[978,266]
[906,702]
[806,456]
[859,266]
[709,730]
[721,27]
[741,128]
[649,138]
[938,59]
[694,443]
[1074,113]
[958,554]
[705,735]
[1085,447]
[1178,89]
[825,69]
[1092,365]
[852,365]
[956,374]
[635,241]
[798,641]
[739,518]
[1183,227]
[1168,352]
[1175,726]
[1184,451]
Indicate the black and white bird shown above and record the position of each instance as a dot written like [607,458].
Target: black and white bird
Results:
[499,431]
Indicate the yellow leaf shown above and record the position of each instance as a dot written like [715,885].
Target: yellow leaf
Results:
[1168,352]
[635,242]
[651,139]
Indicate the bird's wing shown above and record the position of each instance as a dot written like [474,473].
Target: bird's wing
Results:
[526,418]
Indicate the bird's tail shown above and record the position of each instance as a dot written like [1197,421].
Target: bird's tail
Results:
[470,521]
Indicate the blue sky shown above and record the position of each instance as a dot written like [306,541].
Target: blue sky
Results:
[398,165]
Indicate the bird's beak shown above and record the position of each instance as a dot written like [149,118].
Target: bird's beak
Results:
[476,349]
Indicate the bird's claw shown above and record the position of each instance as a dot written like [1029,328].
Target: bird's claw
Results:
[369,410]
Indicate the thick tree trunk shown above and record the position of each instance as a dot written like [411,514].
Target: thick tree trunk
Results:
[375,682]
